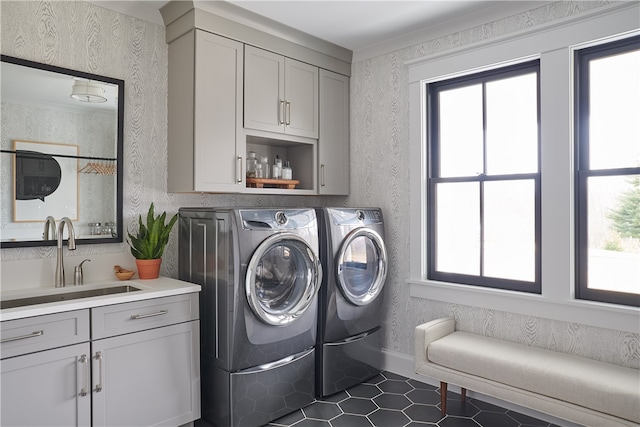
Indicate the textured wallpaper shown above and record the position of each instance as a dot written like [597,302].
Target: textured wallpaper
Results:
[82,36]
[380,176]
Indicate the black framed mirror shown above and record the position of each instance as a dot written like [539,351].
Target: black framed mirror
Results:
[61,140]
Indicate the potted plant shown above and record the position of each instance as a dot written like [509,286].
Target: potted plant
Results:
[148,243]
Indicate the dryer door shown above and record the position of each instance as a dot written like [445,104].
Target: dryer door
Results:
[283,276]
[361,266]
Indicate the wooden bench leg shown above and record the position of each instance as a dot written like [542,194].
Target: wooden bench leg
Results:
[443,398]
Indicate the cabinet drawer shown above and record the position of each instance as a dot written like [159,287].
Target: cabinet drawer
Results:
[32,334]
[130,317]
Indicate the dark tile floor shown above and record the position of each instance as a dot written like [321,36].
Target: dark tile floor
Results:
[390,400]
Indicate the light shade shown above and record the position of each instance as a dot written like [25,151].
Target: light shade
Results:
[88,91]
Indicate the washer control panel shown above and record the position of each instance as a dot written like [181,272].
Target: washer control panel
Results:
[352,216]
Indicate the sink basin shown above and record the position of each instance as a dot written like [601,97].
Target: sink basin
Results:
[66,296]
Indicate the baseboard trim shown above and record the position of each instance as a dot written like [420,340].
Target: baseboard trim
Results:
[402,364]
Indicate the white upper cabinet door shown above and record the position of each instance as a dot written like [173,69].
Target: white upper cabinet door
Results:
[218,107]
[281,94]
[264,90]
[301,99]
[206,151]
[333,144]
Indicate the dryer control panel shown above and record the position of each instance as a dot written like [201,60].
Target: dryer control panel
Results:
[351,216]
[278,219]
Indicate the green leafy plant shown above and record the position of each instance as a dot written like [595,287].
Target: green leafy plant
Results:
[150,240]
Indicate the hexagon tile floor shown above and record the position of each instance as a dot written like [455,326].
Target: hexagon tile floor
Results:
[390,400]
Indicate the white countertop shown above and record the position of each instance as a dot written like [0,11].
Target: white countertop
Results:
[156,288]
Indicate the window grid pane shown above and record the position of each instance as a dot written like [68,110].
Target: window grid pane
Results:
[510,230]
[458,228]
[512,125]
[614,127]
[614,233]
[461,131]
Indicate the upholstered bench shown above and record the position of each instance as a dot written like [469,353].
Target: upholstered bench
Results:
[573,388]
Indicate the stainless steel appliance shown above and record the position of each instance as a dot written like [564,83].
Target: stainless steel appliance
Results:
[354,261]
[260,274]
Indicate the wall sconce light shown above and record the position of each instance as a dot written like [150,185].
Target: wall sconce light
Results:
[88,91]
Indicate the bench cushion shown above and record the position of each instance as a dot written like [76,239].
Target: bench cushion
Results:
[600,386]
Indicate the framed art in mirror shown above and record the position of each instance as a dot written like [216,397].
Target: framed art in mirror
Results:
[45,183]
[61,140]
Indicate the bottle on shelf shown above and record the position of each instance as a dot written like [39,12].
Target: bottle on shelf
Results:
[252,161]
[287,172]
[264,160]
[277,168]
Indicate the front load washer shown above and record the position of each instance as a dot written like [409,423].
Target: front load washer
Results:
[260,273]
[354,261]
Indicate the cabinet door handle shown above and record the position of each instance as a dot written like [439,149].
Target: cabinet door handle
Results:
[23,337]
[144,316]
[239,169]
[288,116]
[281,112]
[85,383]
[98,357]
[322,175]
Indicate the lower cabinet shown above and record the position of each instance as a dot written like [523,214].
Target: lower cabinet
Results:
[46,388]
[147,378]
[139,367]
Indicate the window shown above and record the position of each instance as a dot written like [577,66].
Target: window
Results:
[608,172]
[483,201]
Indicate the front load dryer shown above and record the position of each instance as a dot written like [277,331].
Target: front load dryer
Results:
[354,261]
[260,274]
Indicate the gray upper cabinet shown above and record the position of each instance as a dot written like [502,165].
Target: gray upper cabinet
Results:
[205,152]
[281,94]
[238,85]
[333,146]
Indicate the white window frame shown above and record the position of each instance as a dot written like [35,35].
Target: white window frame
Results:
[554,44]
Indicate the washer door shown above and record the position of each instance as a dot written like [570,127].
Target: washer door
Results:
[362,266]
[282,278]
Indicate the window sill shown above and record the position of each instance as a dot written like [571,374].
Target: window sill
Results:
[590,313]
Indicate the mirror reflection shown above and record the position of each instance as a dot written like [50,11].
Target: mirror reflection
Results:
[61,153]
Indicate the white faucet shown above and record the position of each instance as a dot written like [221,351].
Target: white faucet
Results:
[59,280]
[49,223]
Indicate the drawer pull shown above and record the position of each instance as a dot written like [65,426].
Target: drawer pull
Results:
[144,316]
[98,357]
[85,383]
[281,116]
[288,116]
[23,337]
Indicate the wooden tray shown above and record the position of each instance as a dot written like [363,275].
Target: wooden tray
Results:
[288,184]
